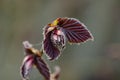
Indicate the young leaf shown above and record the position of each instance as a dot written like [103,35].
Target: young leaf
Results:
[75,31]
[26,66]
[42,67]
[52,51]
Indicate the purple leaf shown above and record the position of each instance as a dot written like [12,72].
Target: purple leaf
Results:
[52,51]
[74,30]
[26,66]
[42,67]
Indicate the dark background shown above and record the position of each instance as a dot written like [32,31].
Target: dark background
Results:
[22,20]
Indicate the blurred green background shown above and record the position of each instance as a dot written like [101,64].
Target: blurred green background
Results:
[22,20]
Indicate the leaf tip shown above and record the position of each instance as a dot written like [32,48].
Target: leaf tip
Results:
[26,44]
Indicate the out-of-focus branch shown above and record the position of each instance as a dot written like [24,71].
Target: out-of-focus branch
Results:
[56,74]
